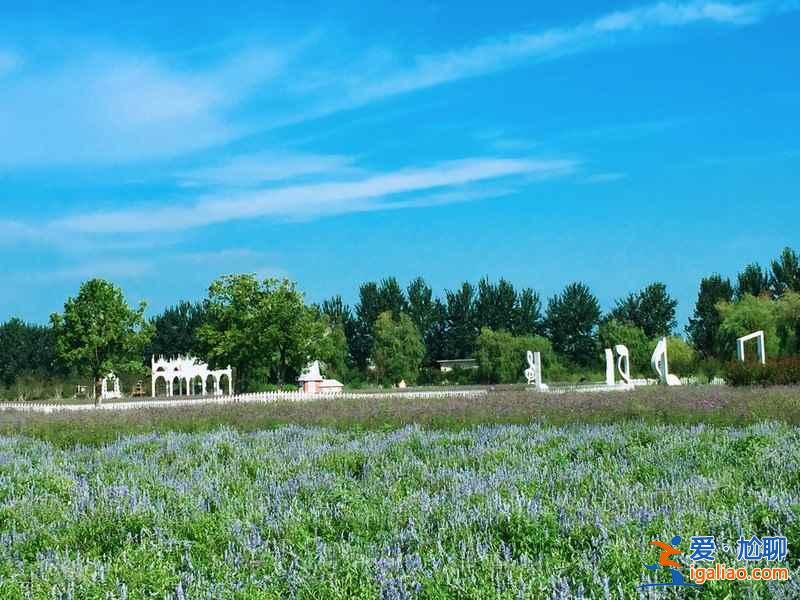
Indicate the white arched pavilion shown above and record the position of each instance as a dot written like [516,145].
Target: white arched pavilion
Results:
[188,371]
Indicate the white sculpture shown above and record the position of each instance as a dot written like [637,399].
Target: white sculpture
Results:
[113,394]
[609,367]
[314,383]
[660,365]
[624,363]
[760,350]
[185,372]
[534,371]
[623,356]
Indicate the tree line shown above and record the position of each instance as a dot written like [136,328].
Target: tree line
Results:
[268,332]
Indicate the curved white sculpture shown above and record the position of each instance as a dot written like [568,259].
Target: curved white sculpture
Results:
[623,363]
[660,365]
[186,370]
[534,371]
[761,352]
[610,379]
[623,356]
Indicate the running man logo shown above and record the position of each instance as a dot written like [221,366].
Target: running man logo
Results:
[664,560]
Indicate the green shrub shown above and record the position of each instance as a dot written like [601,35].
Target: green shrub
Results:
[779,371]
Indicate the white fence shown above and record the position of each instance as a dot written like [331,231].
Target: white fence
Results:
[255,398]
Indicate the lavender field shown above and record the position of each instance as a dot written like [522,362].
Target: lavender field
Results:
[488,512]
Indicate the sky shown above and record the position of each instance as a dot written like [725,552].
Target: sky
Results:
[160,145]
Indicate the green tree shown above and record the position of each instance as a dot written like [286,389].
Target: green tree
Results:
[391,297]
[423,310]
[25,349]
[651,309]
[572,318]
[175,330]
[613,332]
[460,319]
[788,322]
[339,315]
[99,333]
[749,314]
[703,327]
[753,280]
[332,350]
[366,313]
[527,316]
[501,355]
[786,272]
[398,350]
[263,328]
[495,305]
[682,357]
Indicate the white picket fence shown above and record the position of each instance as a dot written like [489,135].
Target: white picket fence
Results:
[253,398]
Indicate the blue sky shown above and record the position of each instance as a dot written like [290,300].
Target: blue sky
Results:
[614,143]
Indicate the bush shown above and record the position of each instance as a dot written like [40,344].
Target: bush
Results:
[779,371]
[502,356]
[682,358]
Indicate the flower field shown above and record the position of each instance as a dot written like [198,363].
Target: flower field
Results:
[505,511]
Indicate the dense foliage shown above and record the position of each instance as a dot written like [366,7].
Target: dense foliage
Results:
[98,333]
[777,371]
[25,349]
[263,328]
[449,326]
[398,349]
[491,512]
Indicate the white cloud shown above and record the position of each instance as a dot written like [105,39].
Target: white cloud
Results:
[116,107]
[314,199]
[424,71]
[249,170]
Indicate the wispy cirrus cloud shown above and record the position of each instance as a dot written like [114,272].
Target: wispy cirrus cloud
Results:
[488,56]
[114,106]
[263,167]
[313,200]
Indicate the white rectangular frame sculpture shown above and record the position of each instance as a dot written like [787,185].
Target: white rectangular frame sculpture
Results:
[760,348]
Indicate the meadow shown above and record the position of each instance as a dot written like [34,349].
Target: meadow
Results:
[508,511]
[718,405]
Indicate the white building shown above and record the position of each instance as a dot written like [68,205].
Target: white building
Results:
[187,376]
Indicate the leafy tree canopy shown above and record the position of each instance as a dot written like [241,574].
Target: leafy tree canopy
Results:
[749,314]
[640,347]
[99,333]
[501,355]
[263,328]
[571,320]
[786,272]
[651,309]
[703,327]
[752,280]
[398,350]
